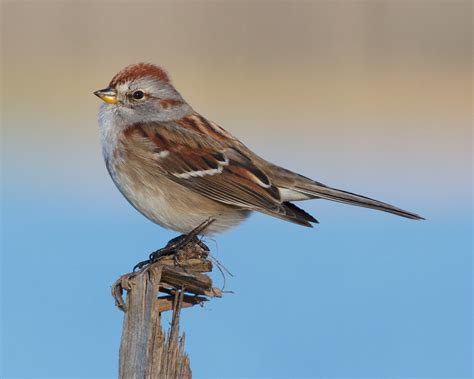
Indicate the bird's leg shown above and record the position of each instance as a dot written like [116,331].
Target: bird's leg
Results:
[176,244]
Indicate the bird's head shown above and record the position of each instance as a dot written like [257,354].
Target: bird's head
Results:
[140,93]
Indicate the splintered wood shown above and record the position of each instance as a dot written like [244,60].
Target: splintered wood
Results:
[170,284]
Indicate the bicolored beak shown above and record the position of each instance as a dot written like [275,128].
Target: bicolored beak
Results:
[108,95]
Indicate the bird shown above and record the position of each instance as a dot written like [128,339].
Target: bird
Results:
[179,169]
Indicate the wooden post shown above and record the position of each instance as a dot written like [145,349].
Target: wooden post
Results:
[145,350]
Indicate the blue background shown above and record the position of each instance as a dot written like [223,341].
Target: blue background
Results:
[361,295]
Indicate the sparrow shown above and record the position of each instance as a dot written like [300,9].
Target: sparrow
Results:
[180,169]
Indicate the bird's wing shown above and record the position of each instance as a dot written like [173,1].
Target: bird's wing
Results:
[215,169]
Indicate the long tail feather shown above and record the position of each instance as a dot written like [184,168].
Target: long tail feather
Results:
[320,191]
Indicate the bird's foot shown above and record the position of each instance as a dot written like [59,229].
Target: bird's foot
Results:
[174,246]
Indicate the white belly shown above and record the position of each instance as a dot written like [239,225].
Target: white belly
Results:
[173,206]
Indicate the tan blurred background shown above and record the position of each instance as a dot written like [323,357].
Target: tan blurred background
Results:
[358,94]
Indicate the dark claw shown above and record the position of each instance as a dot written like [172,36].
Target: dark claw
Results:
[176,244]
[140,265]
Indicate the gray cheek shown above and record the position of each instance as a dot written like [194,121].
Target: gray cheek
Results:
[124,116]
[139,113]
[147,112]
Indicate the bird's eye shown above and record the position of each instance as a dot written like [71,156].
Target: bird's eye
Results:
[138,95]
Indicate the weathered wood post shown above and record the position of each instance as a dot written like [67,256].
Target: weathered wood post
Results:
[170,284]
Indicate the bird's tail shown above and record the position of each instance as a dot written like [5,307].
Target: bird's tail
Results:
[318,190]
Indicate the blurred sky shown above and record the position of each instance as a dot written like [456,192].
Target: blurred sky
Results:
[370,96]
